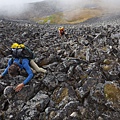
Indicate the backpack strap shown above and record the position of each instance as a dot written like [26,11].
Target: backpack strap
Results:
[12,59]
[20,60]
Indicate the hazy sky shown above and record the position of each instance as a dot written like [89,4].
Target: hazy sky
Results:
[107,3]
[13,7]
[8,2]
[18,6]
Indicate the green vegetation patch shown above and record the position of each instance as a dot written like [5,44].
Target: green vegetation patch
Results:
[53,19]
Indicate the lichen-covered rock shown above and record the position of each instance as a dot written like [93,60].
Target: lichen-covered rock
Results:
[112,95]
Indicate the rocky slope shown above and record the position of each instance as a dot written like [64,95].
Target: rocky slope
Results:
[83,79]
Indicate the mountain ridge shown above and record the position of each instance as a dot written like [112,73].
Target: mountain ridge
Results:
[50,12]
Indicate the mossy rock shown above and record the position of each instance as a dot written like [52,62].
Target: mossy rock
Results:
[107,62]
[58,95]
[106,67]
[112,93]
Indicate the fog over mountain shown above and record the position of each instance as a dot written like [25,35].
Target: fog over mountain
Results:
[17,7]
[14,2]
[81,3]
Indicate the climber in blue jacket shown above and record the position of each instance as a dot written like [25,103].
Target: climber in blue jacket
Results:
[13,69]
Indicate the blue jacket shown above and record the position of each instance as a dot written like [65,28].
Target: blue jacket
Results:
[24,65]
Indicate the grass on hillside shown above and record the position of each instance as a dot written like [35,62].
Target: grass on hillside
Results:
[70,17]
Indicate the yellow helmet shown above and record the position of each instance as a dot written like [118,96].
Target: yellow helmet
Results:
[18,46]
[14,45]
[61,28]
[21,46]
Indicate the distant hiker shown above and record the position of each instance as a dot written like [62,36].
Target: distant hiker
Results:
[62,32]
[22,60]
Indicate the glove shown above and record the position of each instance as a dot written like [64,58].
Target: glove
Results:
[1,76]
[19,87]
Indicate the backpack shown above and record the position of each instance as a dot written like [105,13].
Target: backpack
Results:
[21,51]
